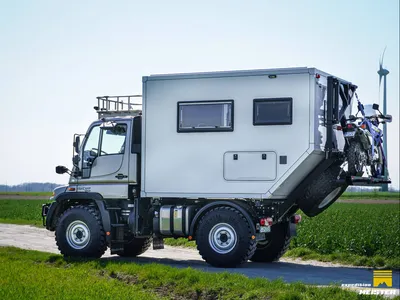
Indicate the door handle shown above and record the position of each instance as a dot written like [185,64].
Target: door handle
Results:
[121,176]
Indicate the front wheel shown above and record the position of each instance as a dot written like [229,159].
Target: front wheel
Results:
[80,233]
[224,237]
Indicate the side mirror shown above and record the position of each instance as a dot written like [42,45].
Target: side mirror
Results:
[61,169]
[375,106]
[76,159]
[77,143]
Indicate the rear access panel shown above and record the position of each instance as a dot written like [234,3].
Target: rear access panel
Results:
[250,166]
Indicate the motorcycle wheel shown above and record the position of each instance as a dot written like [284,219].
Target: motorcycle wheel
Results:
[357,159]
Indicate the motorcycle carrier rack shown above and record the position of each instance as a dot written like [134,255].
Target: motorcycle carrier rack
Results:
[363,181]
[337,89]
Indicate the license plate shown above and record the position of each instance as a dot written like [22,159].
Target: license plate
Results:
[350,134]
[265,229]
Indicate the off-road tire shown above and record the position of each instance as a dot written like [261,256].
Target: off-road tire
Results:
[136,247]
[278,243]
[90,217]
[244,247]
[322,192]
[354,151]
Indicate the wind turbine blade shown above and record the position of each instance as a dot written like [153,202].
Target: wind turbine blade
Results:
[383,55]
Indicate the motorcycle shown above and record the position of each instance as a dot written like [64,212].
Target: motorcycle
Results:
[364,141]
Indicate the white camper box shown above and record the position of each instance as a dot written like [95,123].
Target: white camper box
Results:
[269,133]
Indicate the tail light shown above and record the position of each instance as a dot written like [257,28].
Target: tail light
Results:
[266,222]
[296,219]
[339,128]
[350,126]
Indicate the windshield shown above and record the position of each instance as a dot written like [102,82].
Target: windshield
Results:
[369,111]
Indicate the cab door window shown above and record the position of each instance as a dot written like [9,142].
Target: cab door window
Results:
[113,140]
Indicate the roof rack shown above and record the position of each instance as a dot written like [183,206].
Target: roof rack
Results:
[113,106]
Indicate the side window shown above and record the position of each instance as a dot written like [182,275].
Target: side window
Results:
[205,116]
[113,140]
[272,111]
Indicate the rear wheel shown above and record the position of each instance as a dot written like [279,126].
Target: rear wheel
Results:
[357,159]
[224,238]
[275,246]
[136,247]
[80,233]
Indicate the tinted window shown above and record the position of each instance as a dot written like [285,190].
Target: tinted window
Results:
[276,111]
[205,116]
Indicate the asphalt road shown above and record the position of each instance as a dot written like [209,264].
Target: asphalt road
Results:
[310,272]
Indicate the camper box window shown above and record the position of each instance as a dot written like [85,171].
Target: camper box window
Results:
[272,111]
[205,116]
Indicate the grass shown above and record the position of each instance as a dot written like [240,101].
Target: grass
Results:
[345,258]
[371,195]
[349,233]
[24,212]
[47,194]
[36,275]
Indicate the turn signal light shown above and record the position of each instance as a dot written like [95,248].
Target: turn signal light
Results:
[363,126]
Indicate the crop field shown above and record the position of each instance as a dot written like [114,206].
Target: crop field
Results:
[357,234]
[371,195]
[22,194]
[45,276]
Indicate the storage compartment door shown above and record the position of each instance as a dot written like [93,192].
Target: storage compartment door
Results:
[250,165]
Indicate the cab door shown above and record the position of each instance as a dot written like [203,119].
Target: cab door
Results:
[105,160]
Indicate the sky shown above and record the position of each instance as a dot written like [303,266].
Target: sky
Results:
[57,56]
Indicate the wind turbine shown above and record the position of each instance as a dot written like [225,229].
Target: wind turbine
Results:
[383,73]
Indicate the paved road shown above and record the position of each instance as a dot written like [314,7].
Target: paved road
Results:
[310,272]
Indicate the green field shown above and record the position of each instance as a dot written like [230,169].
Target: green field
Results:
[36,275]
[45,194]
[372,195]
[26,212]
[357,234]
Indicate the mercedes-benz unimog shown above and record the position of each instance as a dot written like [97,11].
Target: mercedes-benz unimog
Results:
[222,158]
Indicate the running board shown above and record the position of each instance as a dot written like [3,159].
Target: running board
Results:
[362,181]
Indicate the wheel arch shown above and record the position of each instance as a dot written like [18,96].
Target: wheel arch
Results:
[67,199]
[241,207]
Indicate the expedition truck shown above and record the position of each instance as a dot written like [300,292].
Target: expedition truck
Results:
[222,158]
